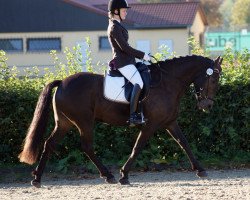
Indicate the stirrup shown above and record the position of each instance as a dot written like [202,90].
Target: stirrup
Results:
[136,119]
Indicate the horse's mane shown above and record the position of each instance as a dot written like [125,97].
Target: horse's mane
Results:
[177,64]
[184,59]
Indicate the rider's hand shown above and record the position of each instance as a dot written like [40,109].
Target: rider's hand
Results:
[146,57]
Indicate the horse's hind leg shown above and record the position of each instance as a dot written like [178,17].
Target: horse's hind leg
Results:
[86,134]
[175,132]
[57,134]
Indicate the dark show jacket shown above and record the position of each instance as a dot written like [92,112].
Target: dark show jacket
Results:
[123,53]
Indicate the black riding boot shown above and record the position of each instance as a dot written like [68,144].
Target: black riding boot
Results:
[135,118]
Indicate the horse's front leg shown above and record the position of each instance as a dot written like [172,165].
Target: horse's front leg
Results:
[176,133]
[141,141]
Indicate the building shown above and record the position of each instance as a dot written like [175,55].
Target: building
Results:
[218,41]
[30,29]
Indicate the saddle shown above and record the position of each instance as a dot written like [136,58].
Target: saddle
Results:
[125,86]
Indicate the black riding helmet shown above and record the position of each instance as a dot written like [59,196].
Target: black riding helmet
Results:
[117,5]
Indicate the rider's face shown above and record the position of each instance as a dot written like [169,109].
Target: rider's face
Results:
[123,13]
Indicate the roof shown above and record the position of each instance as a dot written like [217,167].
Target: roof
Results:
[101,2]
[48,16]
[153,15]
[90,15]
[92,5]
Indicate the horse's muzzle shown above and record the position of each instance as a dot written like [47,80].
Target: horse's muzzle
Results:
[205,104]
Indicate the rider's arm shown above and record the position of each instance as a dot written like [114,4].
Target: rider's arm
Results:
[123,44]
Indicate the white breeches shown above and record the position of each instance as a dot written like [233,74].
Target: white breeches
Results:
[131,73]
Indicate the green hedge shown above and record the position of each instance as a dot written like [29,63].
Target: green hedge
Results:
[223,133]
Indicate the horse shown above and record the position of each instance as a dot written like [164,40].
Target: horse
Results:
[79,101]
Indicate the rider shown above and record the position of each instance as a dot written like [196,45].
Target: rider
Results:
[124,55]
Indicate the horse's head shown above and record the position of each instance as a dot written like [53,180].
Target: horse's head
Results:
[207,85]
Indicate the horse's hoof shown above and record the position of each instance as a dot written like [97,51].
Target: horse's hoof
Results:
[124,181]
[36,183]
[202,174]
[111,180]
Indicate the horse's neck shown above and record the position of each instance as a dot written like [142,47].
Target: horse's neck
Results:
[183,73]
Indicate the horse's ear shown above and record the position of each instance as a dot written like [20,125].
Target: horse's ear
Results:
[217,60]
[219,64]
[220,61]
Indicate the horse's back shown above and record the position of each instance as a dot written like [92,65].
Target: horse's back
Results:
[78,90]
[80,82]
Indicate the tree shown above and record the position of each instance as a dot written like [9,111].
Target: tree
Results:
[226,11]
[211,9]
[241,13]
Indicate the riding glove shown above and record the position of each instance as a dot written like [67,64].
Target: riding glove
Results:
[146,57]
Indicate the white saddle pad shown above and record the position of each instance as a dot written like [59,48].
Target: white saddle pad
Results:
[113,89]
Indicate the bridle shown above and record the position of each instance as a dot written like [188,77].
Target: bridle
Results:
[210,72]
[199,94]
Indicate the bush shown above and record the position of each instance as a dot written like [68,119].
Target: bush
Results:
[223,133]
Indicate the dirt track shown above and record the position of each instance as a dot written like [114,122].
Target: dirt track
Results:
[221,184]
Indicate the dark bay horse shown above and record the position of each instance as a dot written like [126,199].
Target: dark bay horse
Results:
[79,101]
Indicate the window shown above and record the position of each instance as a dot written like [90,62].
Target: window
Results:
[11,45]
[83,50]
[104,43]
[43,44]
[166,45]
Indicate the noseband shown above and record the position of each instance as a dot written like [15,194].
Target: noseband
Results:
[209,73]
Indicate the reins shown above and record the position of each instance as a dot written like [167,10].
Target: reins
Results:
[159,68]
[157,62]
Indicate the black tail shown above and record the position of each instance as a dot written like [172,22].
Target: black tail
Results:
[38,125]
